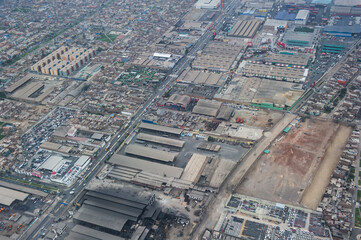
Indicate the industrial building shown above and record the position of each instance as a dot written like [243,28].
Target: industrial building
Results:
[208,4]
[288,59]
[158,128]
[179,102]
[273,25]
[245,28]
[343,31]
[160,140]
[302,17]
[248,90]
[195,167]
[9,196]
[113,213]
[225,113]
[217,56]
[207,107]
[64,61]
[275,72]
[295,37]
[202,78]
[150,153]
[131,164]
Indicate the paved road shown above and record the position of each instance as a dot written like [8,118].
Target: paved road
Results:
[59,209]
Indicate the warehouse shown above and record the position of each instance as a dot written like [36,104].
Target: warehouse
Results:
[343,31]
[288,59]
[208,4]
[53,164]
[18,84]
[245,28]
[194,168]
[295,37]
[80,232]
[158,128]
[9,196]
[179,102]
[302,17]
[274,72]
[146,166]
[202,78]
[150,153]
[161,140]
[207,107]
[114,211]
[23,189]
[225,113]
[217,56]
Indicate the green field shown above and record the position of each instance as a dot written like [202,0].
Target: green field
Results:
[34,184]
[108,38]
[357,218]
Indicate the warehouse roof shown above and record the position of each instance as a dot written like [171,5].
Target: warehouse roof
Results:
[101,217]
[225,113]
[355,29]
[203,78]
[138,203]
[19,83]
[82,232]
[151,153]
[194,167]
[179,99]
[23,189]
[129,212]
[302,14]
[245,28]
[159,128]
[160,140]
[53,163]
[146,166]
[207,107]
[8,196]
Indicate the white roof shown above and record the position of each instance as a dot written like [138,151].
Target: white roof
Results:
[207,3]
[302,14]
[82,160]
[53,163]
[163,55]
[347,2]
[8,196]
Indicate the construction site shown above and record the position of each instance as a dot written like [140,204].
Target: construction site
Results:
[288,166]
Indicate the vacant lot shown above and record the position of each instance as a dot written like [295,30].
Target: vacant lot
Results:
[263,118]
[284,173]
[313,194]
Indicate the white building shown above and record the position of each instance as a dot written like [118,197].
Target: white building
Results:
[208,4]
[302,17]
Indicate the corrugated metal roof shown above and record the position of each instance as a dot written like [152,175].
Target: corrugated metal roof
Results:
[151,153]
[159,128]
[161,140]
[90,233]
[146,166]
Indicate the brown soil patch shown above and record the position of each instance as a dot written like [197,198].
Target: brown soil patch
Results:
[284,173]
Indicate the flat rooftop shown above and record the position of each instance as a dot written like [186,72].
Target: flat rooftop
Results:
[23,189]
[300,59]
[158,128]
[151,153]
[146,166]
[160,140]
[194,167]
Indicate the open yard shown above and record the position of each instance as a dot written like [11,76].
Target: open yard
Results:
[287,170]
[263,118]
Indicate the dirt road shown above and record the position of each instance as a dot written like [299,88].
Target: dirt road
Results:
[215,208]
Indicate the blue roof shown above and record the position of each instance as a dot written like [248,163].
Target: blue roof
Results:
[343,29]
[324,2]
[284,15]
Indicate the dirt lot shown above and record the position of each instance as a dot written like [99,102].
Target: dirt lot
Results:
[313,194]
[260,118]
[284,173]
